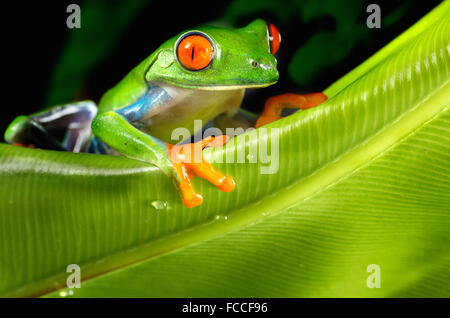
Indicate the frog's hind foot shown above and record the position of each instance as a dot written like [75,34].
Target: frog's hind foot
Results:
[274,105]
[187,161]
[63,128]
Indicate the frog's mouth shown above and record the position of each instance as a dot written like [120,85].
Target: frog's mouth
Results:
[212,87]
[233,87]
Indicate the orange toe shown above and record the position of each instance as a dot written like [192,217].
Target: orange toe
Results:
[314,99]
[266,119]
[192,201]
[219,141]
[18,144]
[227,184]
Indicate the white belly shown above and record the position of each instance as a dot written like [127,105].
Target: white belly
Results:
[187,105]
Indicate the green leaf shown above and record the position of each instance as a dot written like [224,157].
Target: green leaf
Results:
[363,179]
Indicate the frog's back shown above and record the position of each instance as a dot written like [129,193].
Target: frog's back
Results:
[128,90]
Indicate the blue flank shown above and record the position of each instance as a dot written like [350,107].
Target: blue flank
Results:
[154,97]
[98,146]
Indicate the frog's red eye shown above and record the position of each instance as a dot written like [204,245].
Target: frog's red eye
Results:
[274,39]
[195,51]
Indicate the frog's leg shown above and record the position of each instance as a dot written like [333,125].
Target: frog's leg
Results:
[25,132]
[64,127]
[181,162]
[274,105]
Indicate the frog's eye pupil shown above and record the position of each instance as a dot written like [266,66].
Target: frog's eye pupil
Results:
[195,51]
[274,39]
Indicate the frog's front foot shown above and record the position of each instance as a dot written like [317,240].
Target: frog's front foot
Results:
[274,105]
[188,161]
[18,144]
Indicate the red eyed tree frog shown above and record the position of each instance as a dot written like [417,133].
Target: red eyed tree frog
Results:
[199,74]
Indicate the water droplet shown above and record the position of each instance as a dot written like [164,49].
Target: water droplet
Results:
[66,293]
[221,217]
[250,157]
[159,205]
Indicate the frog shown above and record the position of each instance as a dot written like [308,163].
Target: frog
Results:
[199,74]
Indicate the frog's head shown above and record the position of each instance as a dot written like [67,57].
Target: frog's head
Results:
[217,58]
